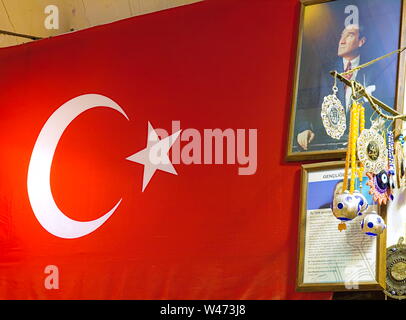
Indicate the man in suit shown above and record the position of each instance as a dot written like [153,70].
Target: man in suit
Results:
[309,130]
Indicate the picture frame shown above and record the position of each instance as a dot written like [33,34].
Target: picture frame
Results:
[383,25]
[329,259]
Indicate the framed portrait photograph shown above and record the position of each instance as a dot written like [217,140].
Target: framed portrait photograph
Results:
[329,259]
[340,35]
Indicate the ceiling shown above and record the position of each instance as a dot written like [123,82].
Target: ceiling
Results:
[28,16]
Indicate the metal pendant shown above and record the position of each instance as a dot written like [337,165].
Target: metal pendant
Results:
[372,151]
[333,116]
[396,271]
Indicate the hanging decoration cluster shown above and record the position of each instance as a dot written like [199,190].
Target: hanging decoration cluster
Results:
[371,151]
[351,203]
[374,151]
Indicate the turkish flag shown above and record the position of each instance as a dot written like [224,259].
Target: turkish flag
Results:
[86,211]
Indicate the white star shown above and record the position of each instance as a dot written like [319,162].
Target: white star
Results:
[155,155]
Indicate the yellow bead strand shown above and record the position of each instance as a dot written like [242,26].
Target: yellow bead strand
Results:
[347,158]
[354,136]
[361,128]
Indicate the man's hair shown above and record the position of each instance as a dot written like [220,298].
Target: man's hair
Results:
[362,32]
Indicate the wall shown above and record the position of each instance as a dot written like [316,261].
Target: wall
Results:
[28,16]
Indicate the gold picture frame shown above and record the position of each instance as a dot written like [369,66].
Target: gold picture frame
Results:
[332,248]
[307,99]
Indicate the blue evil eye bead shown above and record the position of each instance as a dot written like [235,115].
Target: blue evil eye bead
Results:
[402,139]
[373,224]
[345,206]
[382,181]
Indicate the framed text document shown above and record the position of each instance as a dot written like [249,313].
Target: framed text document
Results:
[329,259]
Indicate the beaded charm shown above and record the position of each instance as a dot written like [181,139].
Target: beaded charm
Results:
[346,206]
[390,152]
[373,224]
[391,160]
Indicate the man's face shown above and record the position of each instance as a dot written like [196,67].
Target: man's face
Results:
[349,44]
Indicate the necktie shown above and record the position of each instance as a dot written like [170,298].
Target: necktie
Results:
[348,68]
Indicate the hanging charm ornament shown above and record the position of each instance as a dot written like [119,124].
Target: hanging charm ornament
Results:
[391,159]
[396,271]
[373,224]
[382,184]
[333,114]
[379,186]
[349,204]
[372,150]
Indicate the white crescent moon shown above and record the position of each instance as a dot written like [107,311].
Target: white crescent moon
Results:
[39,170]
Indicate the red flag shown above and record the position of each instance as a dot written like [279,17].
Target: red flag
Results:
[143,159]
